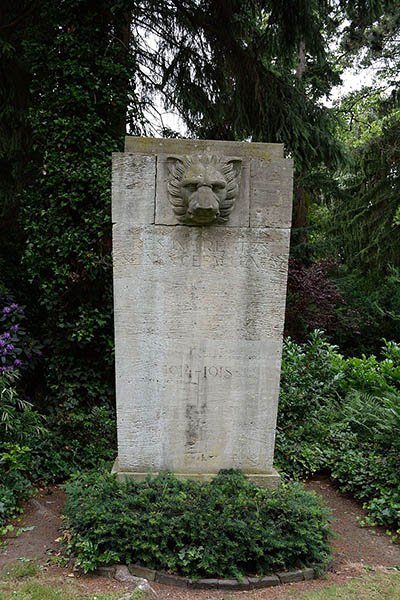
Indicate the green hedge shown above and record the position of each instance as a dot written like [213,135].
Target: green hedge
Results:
[227,527]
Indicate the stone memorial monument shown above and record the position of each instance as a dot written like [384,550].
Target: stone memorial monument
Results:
[200,244]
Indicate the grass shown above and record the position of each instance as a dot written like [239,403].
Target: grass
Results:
[370,587]
[20,569]
[26,581]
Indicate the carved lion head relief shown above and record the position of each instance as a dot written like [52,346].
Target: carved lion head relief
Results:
[203,188]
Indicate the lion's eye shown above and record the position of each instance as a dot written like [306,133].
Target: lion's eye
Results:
[218,186]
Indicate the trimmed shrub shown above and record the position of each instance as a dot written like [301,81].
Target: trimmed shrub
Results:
[226,527]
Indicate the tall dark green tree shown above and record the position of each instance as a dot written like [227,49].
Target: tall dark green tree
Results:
[259,70]
[15,133]
[367,207]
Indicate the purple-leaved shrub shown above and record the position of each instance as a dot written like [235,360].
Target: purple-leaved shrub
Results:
[18,350]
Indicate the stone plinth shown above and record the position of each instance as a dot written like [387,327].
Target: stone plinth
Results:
[199,309]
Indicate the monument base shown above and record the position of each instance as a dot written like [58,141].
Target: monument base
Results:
[270,480]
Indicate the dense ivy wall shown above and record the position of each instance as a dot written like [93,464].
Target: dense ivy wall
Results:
[77,117]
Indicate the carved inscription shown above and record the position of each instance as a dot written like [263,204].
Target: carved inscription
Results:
[196,253]
[204,372]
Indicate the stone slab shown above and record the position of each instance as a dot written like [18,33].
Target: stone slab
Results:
[144,572]
[262,582]
[271,188]
[270,480]
[174,580]
[205,584]
[308,574]
[256,150]
[133,188]
[291,576]
[265,480]
[199,314]
[124,573]
[107,572]
[198,321]
[234,584]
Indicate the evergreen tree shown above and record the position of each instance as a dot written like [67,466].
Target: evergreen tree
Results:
[259,70]
[367,208]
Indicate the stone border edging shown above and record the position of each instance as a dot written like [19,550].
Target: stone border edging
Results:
[247,583]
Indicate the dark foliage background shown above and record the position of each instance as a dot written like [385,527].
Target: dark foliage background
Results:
[75,77]
[77,74]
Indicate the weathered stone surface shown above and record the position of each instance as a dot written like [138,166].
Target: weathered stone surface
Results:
[108,572]
[144,572]
[308,574]
[262,582]
[234,584]
[123,575]
[270,187]
[199,315]
[198,348]
[173,146]
[133,188]
[174,580]
[205,584]
[269,480]
[291,576]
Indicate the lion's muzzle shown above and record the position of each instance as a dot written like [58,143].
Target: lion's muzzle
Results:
[203,205]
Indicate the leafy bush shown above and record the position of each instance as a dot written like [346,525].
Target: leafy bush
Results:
[47,449]
[310,378]
[77,440]
[18,420]
[15,485]
[343,416]
[373,418]
[368,374]
[310,382]
[65,206]
[356,312]
[18,424]
[314,300]
[375,306]
[226,527]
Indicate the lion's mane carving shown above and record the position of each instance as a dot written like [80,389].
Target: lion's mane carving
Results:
[202,188]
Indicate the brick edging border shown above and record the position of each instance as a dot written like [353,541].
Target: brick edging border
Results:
[247,583]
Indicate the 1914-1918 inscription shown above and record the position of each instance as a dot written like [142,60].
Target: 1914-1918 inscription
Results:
[190,373]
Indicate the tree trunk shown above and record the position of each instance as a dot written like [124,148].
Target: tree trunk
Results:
[300,206]
[123,23]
